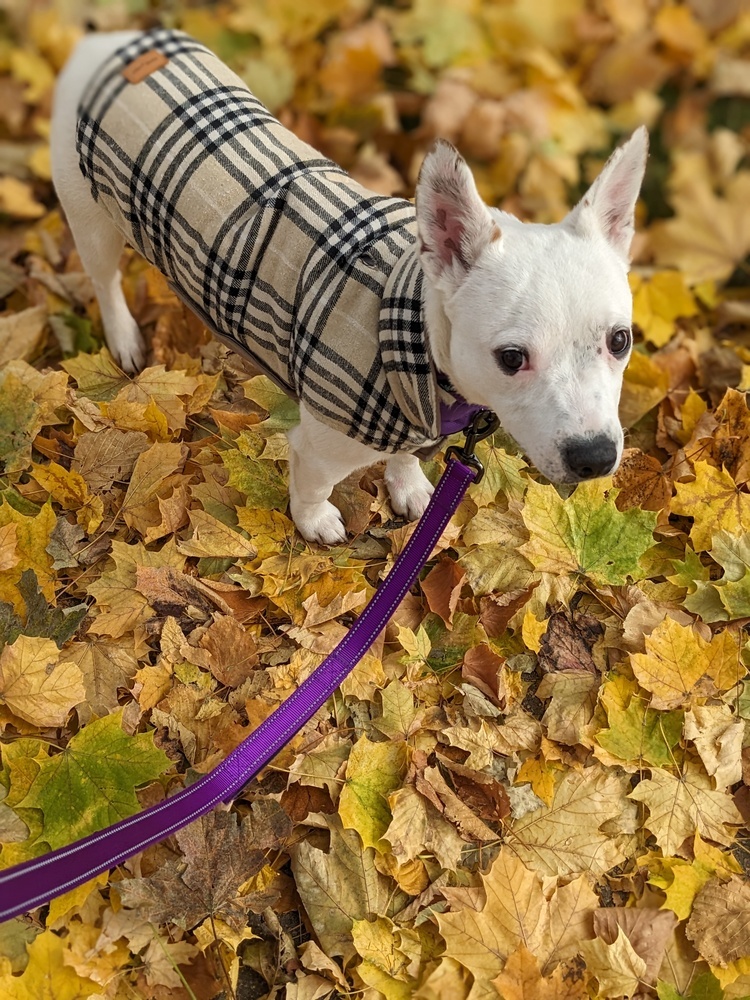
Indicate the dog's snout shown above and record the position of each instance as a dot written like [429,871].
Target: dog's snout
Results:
[588,458]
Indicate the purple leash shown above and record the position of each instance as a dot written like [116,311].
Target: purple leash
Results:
[34,882]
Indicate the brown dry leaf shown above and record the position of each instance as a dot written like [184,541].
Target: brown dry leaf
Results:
[21,333]
[521,979]
[679,805]
[233,651]
[618,967]
[719,925]
[717,735]
[569,714]
[150,477]
[106,667]
[442,587]
[647,930]
[188,889]
[642,482]
[417,827]
[482,667]
[435,788]
[568,643]
[107,456]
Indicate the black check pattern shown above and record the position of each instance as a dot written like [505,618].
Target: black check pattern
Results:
[277,249]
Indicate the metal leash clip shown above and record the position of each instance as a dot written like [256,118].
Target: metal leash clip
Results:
[483,424]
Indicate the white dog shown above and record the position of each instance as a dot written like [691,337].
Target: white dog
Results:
[370,312]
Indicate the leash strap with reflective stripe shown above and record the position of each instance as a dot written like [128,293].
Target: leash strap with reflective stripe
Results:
[34,882]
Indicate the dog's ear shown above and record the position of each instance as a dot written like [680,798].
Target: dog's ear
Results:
[454,224]
[609,204]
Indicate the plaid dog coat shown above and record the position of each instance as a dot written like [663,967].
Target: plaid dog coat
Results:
[282,254]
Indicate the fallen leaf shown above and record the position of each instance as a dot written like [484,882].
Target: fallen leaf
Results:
[91,783]
[567,836]
[373,771]
[682,804]
[679,662]
[36,684]
[585,534]
[513,910]
[719,925]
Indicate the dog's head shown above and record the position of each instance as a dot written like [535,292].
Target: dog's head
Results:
[538,316]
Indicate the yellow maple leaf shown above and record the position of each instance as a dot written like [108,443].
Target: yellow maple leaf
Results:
[32,69]
[658,301]
[518,909]
[71,491]
[710,234]
[521,979]
[36,685]
[566,836]
[644,386]
[374,770]
[679,662]
[618,966]
[151,478]
[17,199]
[682,804]
[32,538]
[46,975]
[714,502]
[681,880]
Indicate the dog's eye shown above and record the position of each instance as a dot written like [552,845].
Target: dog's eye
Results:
[619,340]
[511,359]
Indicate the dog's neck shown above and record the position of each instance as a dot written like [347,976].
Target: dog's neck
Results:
[437,332]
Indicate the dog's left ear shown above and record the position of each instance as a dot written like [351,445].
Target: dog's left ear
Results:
[455,225]
[609,204]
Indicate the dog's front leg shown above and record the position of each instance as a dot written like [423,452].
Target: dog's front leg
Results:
[408,487]
[320,457]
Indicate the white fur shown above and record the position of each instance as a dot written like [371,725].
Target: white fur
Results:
[491,282]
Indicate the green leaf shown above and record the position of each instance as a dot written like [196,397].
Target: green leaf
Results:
[260,481]
[704,987]
[283,412]
[18,422]
[586,534]
[97,375]
[92,782]
[638,733]
[43,620]
[449,646]
[373,772]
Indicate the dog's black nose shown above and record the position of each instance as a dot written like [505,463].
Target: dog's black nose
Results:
[588,458]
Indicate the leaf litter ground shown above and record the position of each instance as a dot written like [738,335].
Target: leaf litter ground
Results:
[535,785]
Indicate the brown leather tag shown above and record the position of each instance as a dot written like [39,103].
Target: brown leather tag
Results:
[144,66]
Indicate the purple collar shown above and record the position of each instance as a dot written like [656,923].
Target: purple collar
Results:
[457,415]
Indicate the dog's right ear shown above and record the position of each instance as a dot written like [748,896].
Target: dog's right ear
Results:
[454,224]
[609,204]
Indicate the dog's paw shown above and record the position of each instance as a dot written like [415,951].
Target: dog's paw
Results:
[410,493]
[321,522]
[128,348]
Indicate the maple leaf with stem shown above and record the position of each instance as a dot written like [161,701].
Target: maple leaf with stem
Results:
[585,534]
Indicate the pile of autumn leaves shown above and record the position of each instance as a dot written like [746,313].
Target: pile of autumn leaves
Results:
[534,786]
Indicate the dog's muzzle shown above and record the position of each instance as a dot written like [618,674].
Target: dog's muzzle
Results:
[591,457]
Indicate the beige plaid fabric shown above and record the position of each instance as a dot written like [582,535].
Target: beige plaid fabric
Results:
[278,250]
